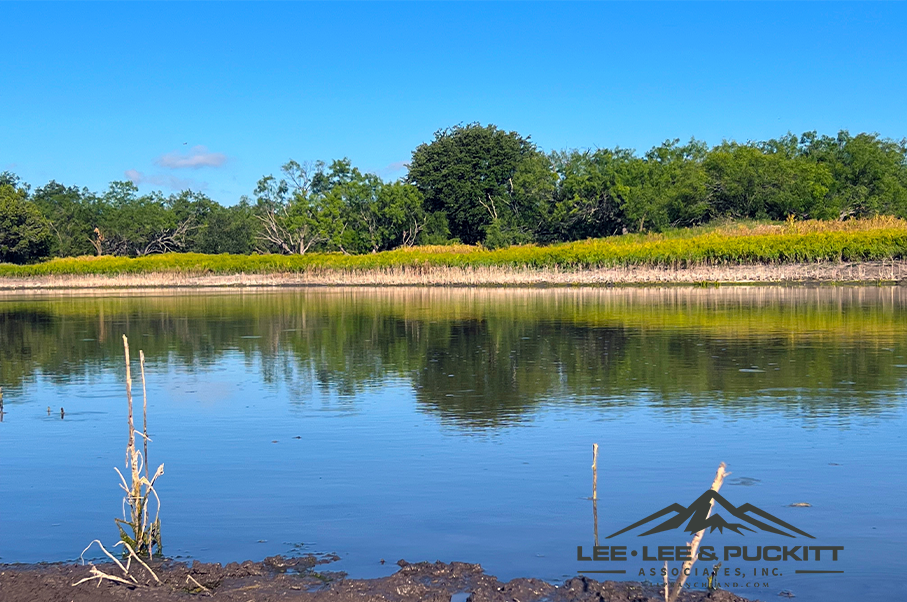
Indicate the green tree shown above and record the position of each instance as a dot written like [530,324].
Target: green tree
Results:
[747,181]
[228,230]
[354,197]
[375,216]
[468,173]
[294,217]
[132,224]
[24,233]
[593,192]
[72,214]
[869,173]
[673,191]
[403,209]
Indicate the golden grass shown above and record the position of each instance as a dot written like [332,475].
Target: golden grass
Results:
[736,252]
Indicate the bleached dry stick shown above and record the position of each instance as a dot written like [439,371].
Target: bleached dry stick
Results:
[100,575]
[666,581]
[109,555]
[137,559]
[594,471]
[144,413]
[694,545]
[190,577]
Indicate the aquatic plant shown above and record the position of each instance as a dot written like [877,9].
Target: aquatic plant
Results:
[138,530]
[145,537]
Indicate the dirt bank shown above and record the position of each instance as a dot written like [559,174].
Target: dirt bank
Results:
[303,579]
[839,272]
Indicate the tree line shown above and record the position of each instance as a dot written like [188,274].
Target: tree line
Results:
[472,184]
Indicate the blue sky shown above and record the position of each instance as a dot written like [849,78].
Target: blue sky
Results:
[214,96]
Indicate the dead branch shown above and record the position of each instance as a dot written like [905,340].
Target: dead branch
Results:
[97,243]
[694,545]
[169,239]
[109,555]
[101,575]
[132,555]
[490,208]
[199,585]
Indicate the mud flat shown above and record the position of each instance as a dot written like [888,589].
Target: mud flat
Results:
[874,272]
[303,579]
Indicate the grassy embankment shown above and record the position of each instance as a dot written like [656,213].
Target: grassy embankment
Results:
[735,252]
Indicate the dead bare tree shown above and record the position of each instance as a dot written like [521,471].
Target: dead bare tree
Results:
[287,239]
[411,234]
[169,239]
[281,231]
[97,243]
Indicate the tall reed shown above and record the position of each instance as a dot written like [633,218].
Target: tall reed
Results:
[137,529]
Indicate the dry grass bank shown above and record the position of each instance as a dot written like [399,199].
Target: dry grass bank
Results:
[831,272]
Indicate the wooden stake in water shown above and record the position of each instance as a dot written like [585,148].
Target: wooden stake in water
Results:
[595,520]
[144,412]
[594,471]
[595,491]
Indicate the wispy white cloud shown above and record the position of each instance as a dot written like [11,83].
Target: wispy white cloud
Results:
[393,168]
[165,181]
[198,156]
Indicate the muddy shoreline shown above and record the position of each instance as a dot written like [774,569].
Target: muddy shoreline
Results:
[310,579]
[869,272]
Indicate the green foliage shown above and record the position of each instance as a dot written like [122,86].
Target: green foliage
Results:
[869,174]
[594,192]
[24,233]
[72,213]
[297,213]
[375,216]
[804,242]
[227,230]
[468,172]
[765,183]
[481,185]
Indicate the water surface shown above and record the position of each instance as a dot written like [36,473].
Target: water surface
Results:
[457,424]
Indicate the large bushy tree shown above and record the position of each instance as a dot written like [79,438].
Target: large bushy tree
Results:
[73,214]
[471,173]
[24,233]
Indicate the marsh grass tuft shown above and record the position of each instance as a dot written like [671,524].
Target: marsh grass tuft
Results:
[138,530]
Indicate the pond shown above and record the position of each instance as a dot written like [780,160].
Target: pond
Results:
[457,424]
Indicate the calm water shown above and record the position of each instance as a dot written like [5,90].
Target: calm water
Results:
[457,424]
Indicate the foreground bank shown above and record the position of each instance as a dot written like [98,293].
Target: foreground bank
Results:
[298,579]
[866,272]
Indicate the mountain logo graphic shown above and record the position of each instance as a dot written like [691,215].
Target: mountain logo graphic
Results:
[696,516]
